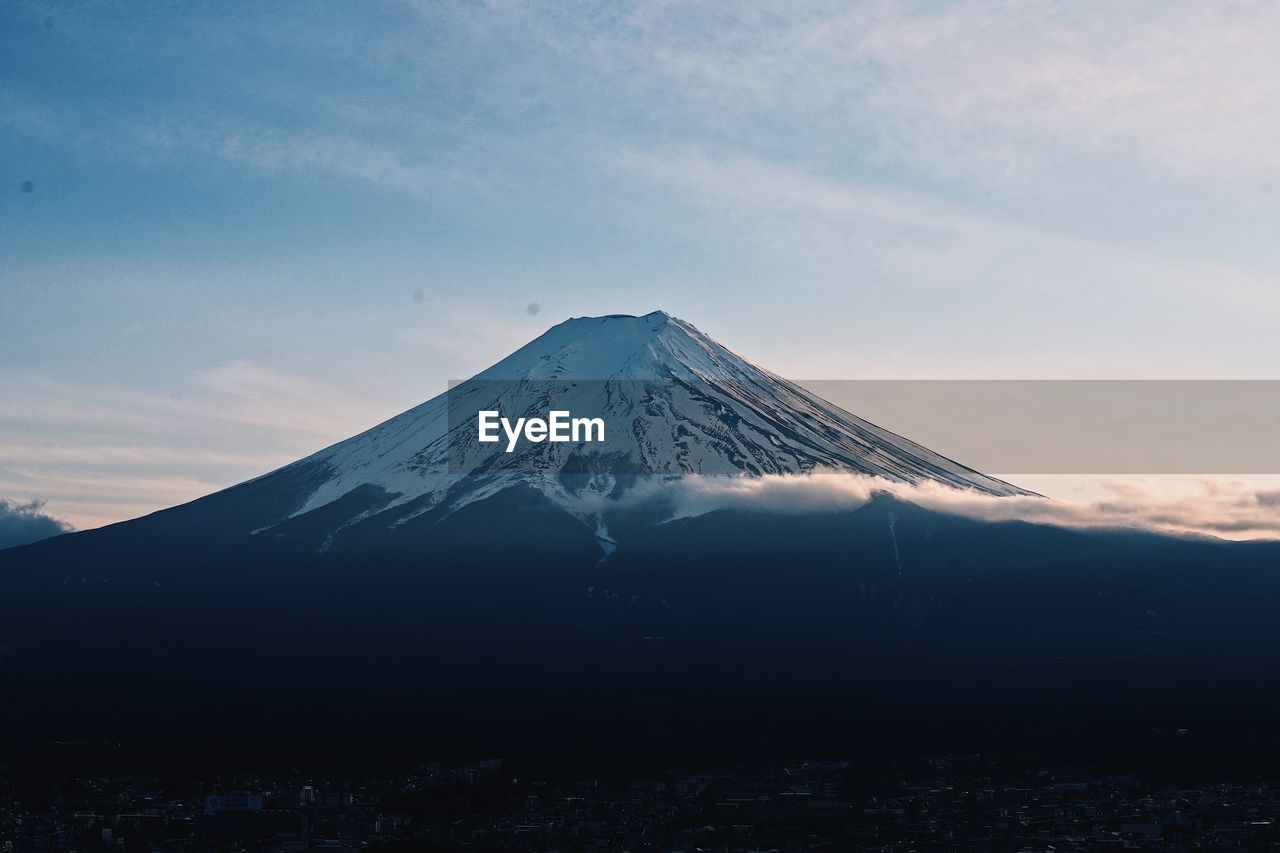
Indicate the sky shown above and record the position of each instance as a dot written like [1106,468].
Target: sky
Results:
[235,232]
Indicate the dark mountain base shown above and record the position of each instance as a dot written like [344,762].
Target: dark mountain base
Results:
[497,630]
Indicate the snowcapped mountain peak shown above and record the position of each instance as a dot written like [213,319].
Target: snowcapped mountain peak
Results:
[615,346]
[674,402]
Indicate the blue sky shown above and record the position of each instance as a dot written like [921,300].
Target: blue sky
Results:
[253,229]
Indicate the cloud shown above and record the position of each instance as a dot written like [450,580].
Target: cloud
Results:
[887,248]
[100,453]
[24,523]
[1224,509]
[431,97]
[278,150]
[994,91]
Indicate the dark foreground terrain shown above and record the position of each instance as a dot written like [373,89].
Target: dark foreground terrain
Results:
[1117,688]
[971,802]
[508,613]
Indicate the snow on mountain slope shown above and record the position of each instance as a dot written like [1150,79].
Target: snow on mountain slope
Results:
[675,402]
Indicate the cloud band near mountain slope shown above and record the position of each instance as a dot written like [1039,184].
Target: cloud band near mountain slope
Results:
[1226,509]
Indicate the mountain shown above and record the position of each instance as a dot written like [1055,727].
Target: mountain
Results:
[675,401]
[416,584]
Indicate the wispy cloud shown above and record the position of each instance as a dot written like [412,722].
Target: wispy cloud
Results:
[1036,100]
[277,150]
[100,454]
[878,244]
[993,90]
[1225,509]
